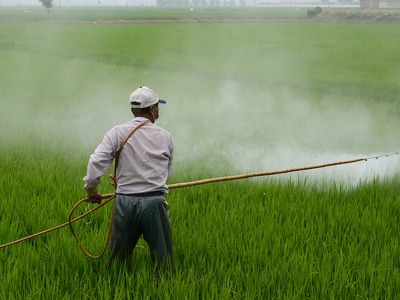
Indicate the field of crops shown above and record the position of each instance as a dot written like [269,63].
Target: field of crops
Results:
[242,97]
[147,13]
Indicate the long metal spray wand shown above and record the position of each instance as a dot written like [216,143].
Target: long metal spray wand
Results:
[268,173]
[199,182]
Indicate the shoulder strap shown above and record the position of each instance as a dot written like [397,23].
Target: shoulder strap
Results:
[114,178]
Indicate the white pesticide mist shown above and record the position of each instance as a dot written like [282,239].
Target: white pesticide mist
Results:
[264,132]
[227,124]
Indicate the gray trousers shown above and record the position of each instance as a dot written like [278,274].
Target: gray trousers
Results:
[136,216]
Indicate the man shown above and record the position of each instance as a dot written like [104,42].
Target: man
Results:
[143,154]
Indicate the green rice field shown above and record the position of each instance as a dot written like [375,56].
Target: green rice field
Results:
[147,13]
[241,97]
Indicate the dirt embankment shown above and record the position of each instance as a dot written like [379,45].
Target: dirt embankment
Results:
[357,16]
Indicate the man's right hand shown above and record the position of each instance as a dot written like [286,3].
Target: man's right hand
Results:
[93,196]
[97,198]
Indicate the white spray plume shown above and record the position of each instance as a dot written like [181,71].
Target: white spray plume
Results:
[259,131]
[226,123]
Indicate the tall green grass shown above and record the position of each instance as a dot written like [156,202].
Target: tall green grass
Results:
[275,238]
[271,239]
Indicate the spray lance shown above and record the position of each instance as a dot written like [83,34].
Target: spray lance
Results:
[109,197]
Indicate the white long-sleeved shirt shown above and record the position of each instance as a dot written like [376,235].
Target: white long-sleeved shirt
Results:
[145,162]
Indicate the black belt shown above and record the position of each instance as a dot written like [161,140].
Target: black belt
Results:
[148,194]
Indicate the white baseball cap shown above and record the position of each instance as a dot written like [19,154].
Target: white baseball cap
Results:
[144,97]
